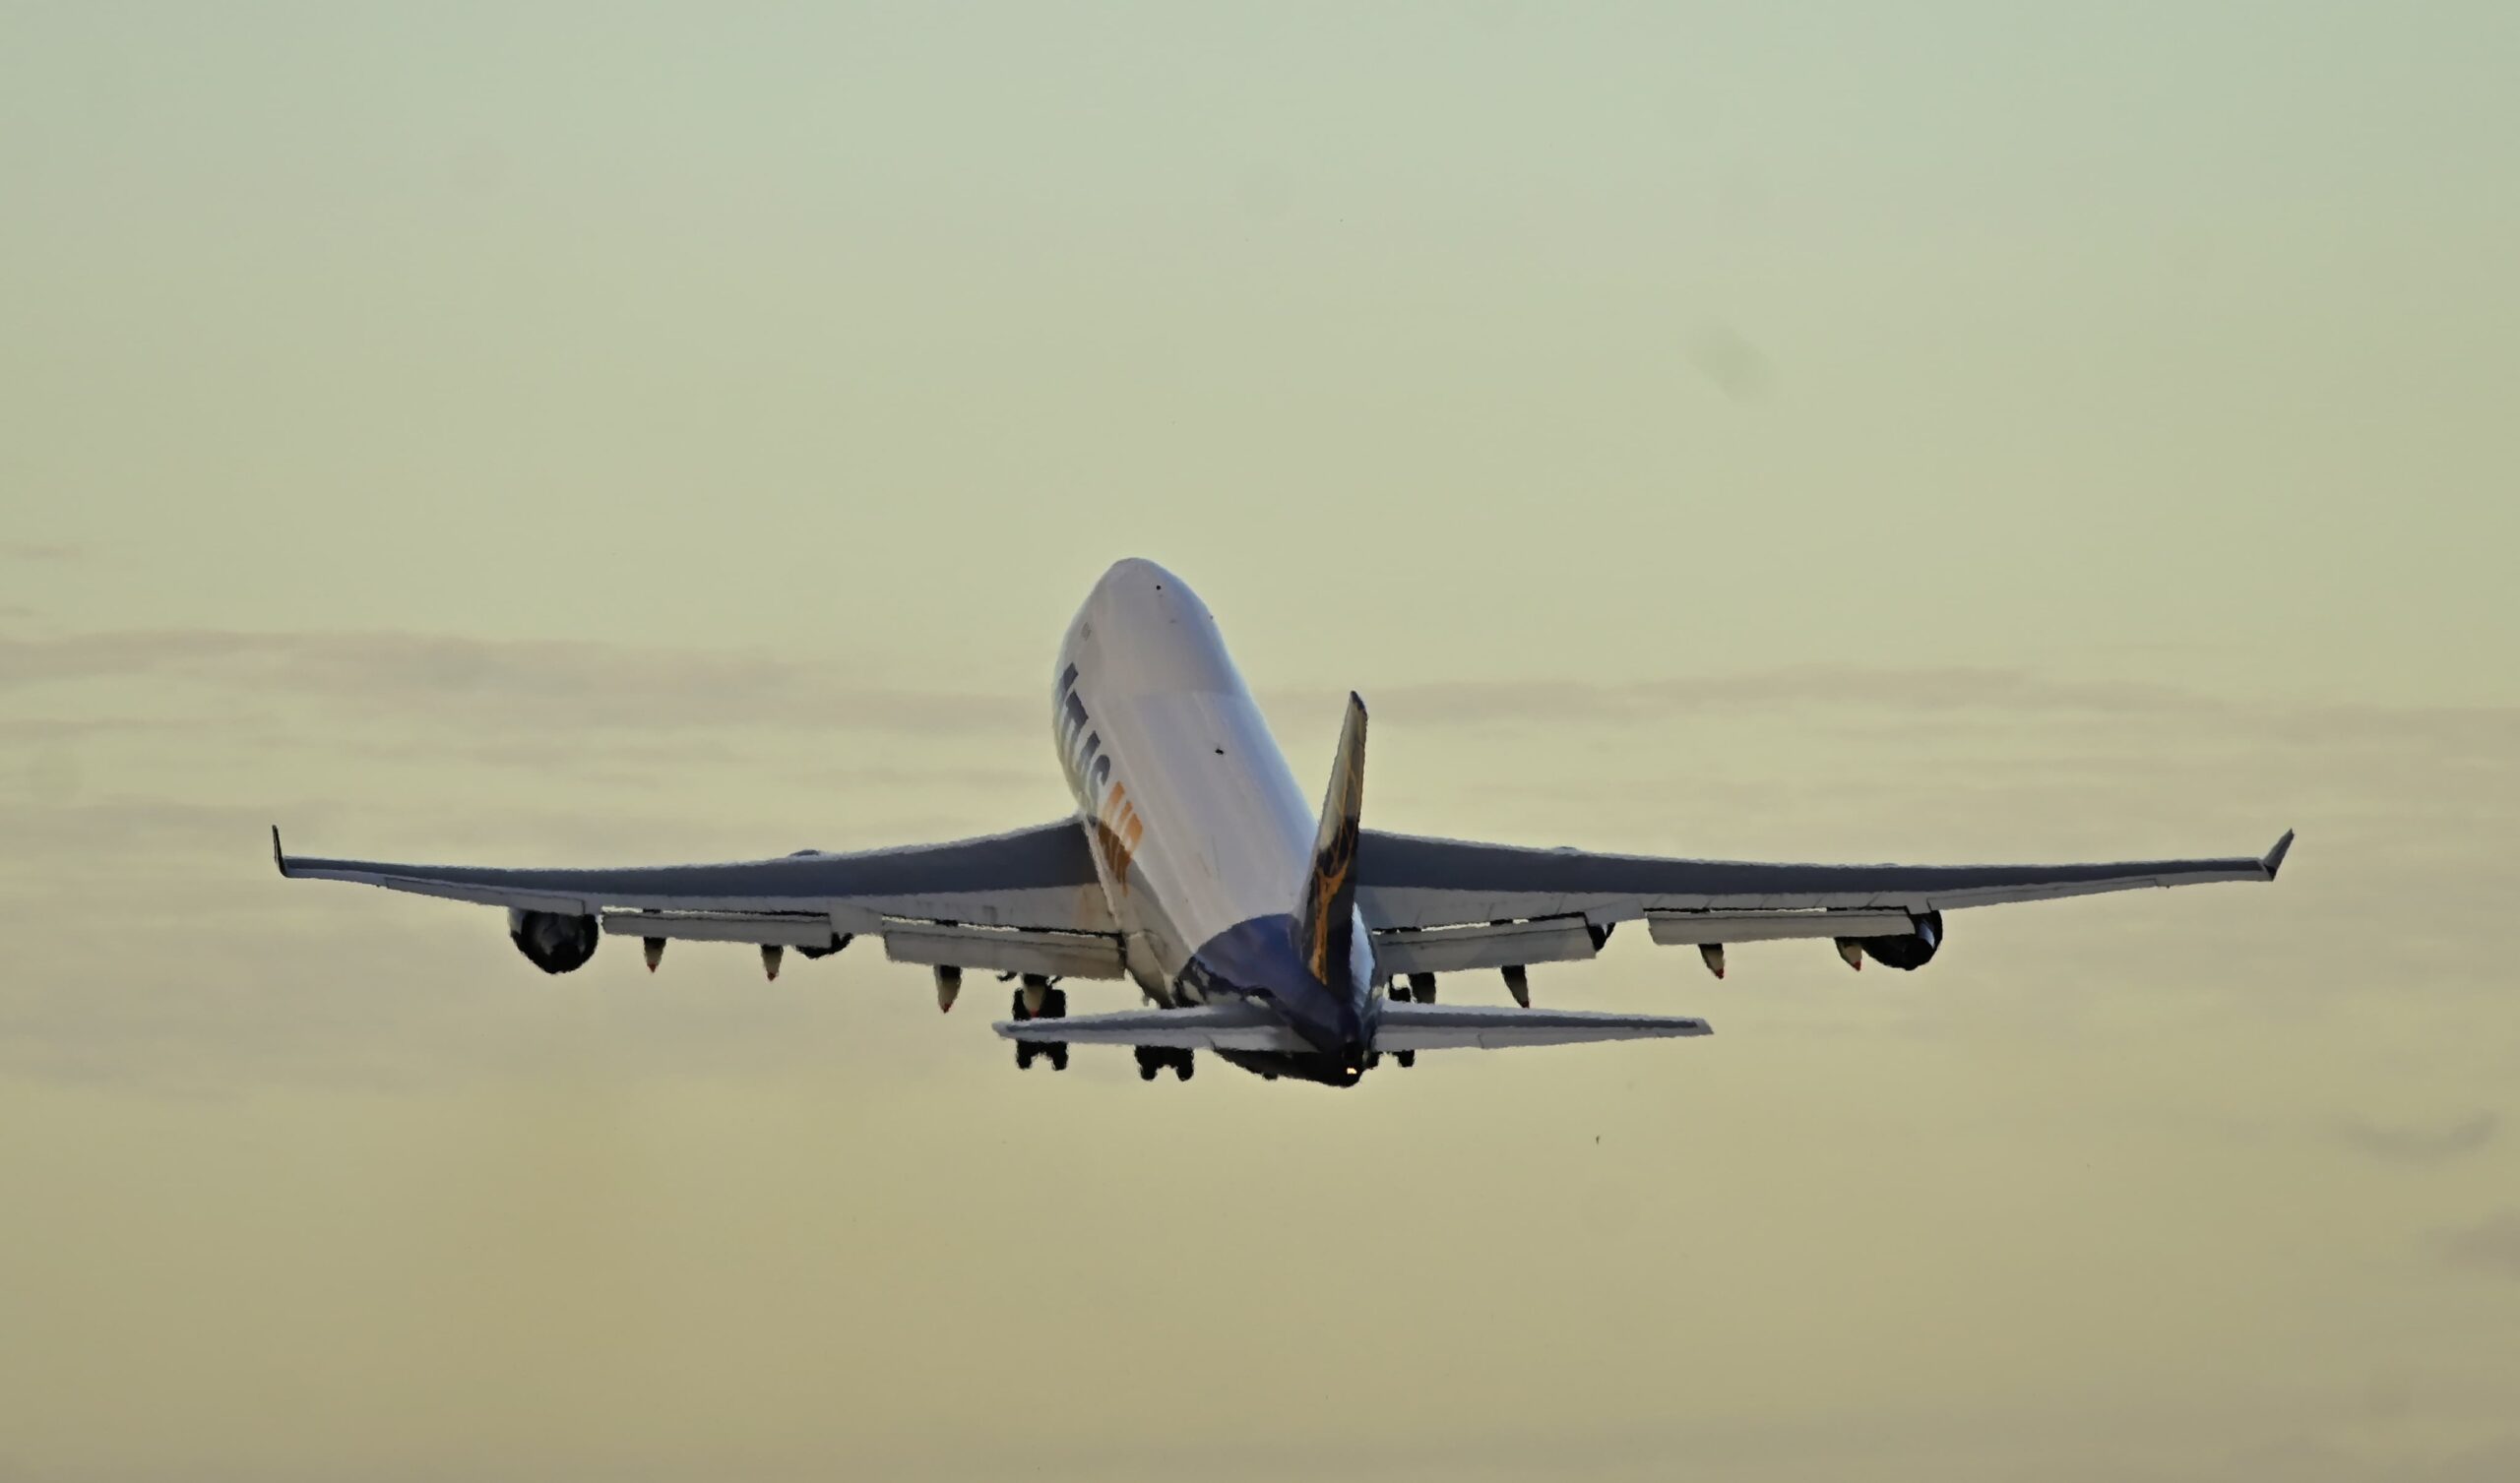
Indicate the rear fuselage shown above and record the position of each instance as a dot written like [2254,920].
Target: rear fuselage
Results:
[1201,834]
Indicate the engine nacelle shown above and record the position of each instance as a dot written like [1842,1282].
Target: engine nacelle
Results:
[1909,949]
[553,941]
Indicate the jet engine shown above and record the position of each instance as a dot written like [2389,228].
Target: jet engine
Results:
[553,941]
[1907,951]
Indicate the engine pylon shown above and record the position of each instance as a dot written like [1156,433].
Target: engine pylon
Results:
[1713,952]
[1518,982]
[949,982]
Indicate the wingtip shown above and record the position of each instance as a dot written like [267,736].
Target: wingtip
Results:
[2274,860]
[280,860]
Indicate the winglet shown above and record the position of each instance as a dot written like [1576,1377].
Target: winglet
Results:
[2274,860]
[280,861]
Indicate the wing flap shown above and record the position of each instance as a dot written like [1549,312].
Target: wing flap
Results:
[798,931]
[1682,928]
[1488,945]
[1006,950]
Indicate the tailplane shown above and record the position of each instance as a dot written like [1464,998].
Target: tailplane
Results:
[1326,913]
[1447,1026]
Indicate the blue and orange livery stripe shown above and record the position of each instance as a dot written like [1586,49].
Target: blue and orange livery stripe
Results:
[1116,824]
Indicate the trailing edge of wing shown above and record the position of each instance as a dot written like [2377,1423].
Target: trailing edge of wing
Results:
[1444,1027]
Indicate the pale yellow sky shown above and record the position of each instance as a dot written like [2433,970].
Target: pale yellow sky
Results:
[558,434]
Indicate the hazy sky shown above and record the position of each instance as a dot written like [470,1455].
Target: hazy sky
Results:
[558,434]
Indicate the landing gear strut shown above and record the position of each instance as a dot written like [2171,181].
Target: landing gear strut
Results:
[1038,1000]
[1422,988]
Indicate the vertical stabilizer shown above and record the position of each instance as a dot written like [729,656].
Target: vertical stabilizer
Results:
[1326,915]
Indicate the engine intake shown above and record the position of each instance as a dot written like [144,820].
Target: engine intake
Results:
[553,941]
[1907,951]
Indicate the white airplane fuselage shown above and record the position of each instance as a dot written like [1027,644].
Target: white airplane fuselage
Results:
[1201,834]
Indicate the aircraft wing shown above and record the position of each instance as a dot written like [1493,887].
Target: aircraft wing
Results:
[1025,902]
[1447,905]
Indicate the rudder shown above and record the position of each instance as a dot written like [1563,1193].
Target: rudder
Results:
[1326,912]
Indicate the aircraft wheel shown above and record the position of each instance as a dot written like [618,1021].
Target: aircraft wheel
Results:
[1015,1010]
[1182,1068]
[1054,1005]
[1405,1057]
[1023,1055]
[1058,1056]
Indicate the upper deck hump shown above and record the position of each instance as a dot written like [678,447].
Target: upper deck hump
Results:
[1153,635]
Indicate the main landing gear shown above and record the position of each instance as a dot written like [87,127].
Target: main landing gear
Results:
[1038,1000]
[1422,988]
[1151,1059]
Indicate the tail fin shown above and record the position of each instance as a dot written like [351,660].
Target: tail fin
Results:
[1326,916]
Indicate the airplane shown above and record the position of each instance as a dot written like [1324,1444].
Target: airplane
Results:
[1288,941]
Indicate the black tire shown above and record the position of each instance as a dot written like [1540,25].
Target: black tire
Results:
[1058,1057]
[1405,1057]
[1399,992]
[1054,1005]
[1147,1069]
[1182,1068]
[1023,1055]
[1016,1010]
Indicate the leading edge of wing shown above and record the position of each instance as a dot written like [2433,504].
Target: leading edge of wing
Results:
[1045,858]
[1445,1026]
[1422,881]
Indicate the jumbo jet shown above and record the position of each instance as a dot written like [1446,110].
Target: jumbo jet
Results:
[1288,941]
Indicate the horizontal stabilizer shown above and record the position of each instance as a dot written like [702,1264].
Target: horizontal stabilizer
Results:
[1444,1027]
[1239,1026]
